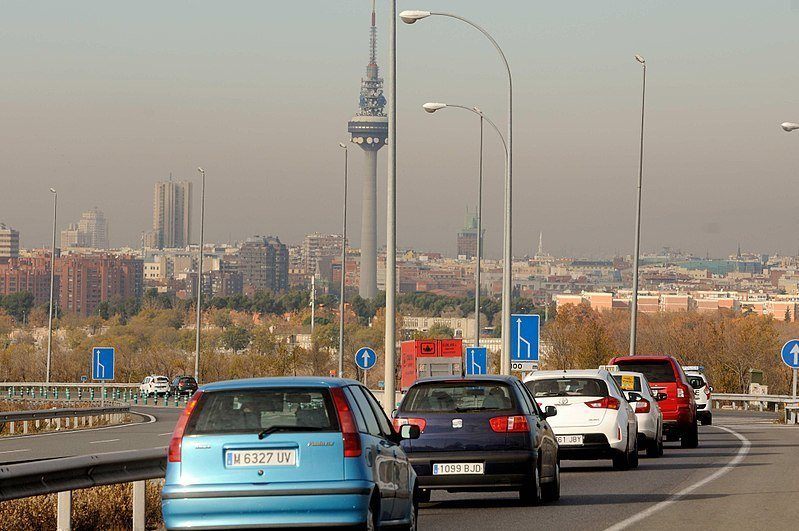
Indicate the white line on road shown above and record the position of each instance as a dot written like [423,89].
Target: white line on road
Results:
[646,513]
[150,419]
[15,451]
[167,433]
[103,441]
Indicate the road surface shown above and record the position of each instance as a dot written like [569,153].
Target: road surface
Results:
[742,476]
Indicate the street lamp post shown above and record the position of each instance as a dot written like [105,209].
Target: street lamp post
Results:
[636,251]
[410,17]
[431,108]
[200,278]
[390,339]
[340,373]
[52,282]
[788,127]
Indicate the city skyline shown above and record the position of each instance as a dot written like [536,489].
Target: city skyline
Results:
[702,117]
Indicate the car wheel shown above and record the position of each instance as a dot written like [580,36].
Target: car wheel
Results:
[413,517]
[655,447]
[707,420]
[550,492]
[621,460]
[531,494]
[372,515]
[690,439]
[423,496]
[634,454]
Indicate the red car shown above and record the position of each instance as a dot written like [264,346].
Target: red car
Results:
[666,376]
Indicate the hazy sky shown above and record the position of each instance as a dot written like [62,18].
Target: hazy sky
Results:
[101,99]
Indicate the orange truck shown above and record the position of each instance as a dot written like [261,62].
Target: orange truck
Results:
[420,358]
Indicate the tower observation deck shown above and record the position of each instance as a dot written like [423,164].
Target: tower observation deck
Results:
[369,131]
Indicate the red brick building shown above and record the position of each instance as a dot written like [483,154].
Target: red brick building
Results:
[26,274]
[87,280]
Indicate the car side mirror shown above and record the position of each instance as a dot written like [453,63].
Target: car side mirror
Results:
[394,413]
[550,411]
[661,396]
[409,431]
[711,388]
[634,397]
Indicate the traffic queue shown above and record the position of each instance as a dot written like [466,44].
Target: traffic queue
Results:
[309,451]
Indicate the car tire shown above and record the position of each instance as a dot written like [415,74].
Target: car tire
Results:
[634,454]
[550,492]
[531,494]
[690,439]
[414,516]
[655,448]
[621,460]
[423,495]
[372,520]
[707,420]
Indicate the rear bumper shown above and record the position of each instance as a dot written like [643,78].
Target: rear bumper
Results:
[595,446]
[333,503]
[503,470]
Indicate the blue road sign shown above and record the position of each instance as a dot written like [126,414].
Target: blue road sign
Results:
[365,358]
[103,363]
[476,360]
[524,333]
[790,353]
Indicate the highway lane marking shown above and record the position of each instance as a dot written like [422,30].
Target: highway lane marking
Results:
[104,441]
[649,511]
[15,451]
[167,433]
[150,420]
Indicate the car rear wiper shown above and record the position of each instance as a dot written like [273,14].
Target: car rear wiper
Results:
[272,429]
[474,408]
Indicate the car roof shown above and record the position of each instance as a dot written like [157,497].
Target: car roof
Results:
[468,378]
[574,373]
[644,358]
[280,381]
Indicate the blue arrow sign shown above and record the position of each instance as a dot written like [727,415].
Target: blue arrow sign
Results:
[365,358]
[790,353]
[524,333]
[103,363]
[476,360]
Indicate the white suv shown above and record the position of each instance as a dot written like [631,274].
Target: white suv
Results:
[702,390]
[154,385]
[594,419]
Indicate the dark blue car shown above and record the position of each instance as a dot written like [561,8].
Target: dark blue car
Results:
[480,433]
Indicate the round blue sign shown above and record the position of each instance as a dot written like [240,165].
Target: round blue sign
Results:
[365,358]
[790,353]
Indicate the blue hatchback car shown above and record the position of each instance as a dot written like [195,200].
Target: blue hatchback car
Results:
[287,452]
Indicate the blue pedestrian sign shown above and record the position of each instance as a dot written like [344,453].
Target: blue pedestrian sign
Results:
[365,358]
[790,353]
[476,362]
[524,333]
[103,363]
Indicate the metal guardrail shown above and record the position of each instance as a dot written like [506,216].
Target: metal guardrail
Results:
[12,418]
[760,402]
[63,475]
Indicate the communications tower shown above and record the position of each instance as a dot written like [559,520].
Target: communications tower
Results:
[369,130]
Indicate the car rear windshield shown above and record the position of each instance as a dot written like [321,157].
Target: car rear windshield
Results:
[567,387]
[458,397]
[187,380]
[655,371]
[255,410]
[162,379]
[627,382]
[696,382]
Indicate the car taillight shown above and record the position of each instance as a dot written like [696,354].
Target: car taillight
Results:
[402,421]
[176,442]
[349,431]
[642,406]
[680,391]
[512,424]
[707,392]
[608,402]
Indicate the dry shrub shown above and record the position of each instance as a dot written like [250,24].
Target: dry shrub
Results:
[108,507]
